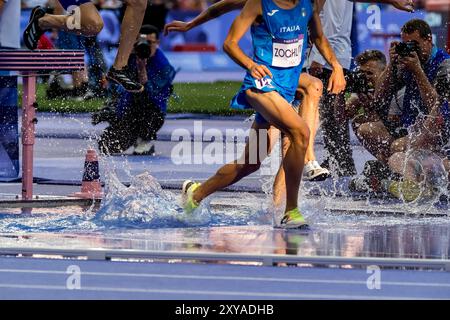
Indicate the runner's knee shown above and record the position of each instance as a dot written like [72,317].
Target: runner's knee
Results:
[315,88]
[398,146]
[397,162]
[92,24]
[299,135]
[366,129]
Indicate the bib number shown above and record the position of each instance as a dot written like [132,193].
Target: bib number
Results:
[287,53]
[265,82]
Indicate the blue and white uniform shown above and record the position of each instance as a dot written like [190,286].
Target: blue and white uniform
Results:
[279,43]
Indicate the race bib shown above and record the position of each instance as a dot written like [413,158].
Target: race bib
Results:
[265,82]
[287,53]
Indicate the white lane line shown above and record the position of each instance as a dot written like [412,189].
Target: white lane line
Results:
[232,278]
[211,293]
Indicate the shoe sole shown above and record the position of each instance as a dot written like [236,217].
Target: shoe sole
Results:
[295,227]
[320,177]
[144,154]
[108,77]
[28,29]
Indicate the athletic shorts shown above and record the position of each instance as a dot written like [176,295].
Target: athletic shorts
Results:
[67,3]
[282,82]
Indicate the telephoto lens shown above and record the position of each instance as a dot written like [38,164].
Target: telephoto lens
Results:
[405,49]
[142,48]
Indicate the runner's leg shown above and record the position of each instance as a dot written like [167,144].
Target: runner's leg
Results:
[311,89]
[376,139]
[131,24]
[278,112]
[91,22]
[231,173]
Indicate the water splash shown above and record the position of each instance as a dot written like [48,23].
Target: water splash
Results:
[142,205]
[145,204]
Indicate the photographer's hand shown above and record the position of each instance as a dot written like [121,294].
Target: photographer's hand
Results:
[411,63]
[393,56]
[385,87]
[428,93]
[391,73]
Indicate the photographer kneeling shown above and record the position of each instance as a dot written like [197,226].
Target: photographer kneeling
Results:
[135,118]
[423,116]
[361,85]
[375,128]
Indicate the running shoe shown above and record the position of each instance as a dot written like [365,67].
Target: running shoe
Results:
[293,219]
[33,32]
[370,185]
[314,172]
[122,78]
[144,148]
[408,190]
[187,192]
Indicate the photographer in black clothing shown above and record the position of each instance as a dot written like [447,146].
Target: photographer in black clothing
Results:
[135,118]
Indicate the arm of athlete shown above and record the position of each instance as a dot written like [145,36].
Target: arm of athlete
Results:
[336,83]
[2,3]
[241,24]
[214,11]
[318,5]
[404,5]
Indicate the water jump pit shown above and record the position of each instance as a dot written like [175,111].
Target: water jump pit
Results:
[144,222]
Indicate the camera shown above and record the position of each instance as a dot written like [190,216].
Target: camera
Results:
[142,48]
[405,49]
[357,83]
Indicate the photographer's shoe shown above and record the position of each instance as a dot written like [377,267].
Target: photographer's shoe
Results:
[187,192]
[408,190]
[122,78]
[359,184]
[144,148]
[128,152]
[314,172]
[293,219]
[33,32]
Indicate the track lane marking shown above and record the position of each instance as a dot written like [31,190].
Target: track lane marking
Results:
[233,278]
[215,293]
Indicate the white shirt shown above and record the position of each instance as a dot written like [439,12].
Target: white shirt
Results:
[10,24]
[336,18]
[396,106]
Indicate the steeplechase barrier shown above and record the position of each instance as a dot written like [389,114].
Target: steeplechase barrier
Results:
[29,65]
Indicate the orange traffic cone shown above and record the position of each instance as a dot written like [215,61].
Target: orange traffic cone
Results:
[91,187]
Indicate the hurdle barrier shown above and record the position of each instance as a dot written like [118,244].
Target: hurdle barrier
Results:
[28,65]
